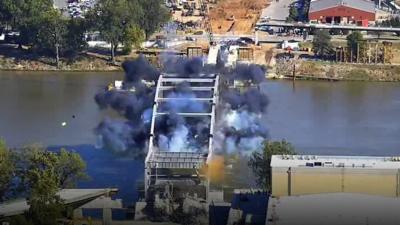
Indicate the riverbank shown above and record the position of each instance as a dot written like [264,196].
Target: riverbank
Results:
[14,59]
[350,72]
[322,70]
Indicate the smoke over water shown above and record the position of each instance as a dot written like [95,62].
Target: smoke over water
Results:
[238,121]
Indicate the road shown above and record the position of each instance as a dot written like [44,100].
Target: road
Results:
[277,10]
[262,37]
[328,26]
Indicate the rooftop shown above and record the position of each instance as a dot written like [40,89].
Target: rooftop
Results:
[69,196]
[367,6]
[333,209]
[335,161]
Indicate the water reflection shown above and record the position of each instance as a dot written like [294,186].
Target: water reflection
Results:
[348,118]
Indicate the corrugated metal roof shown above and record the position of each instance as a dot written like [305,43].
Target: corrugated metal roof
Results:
[19,206]
[368,162]
[333,209]
[367,6]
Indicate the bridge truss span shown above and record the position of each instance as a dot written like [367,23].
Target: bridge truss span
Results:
[181,165]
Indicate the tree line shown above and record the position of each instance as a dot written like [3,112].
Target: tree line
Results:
[260,161]
[323,47]
[37,174]
[298,11]
[46,30]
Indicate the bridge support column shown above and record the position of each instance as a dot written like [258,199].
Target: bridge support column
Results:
[77,214]
[107,216]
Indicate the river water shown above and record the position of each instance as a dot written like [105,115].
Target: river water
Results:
[341,118]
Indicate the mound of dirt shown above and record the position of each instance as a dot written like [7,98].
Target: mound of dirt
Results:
[238,16]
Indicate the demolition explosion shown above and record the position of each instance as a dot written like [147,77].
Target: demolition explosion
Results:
[182,118]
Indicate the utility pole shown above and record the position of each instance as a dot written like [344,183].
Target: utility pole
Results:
[256,38]
[294,71]
[57,45]
[289,172]
[57,56]
[369,54]
[351,54]
[358,53]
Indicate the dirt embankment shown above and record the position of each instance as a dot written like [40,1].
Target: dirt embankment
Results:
[236,16]
[341,71]
[46,64]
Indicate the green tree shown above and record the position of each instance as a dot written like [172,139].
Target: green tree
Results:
[70,168]
[44,182]
[392,22]
[60,36]
[260,161]
[43,27]
[6,11]
[293,14]
[155,14]
[65,167]
[113,18]
[40,174]
[27,16]
[7,170]
[133,37]
[356,44]
[52,33]
[127,22]
[75,36]
[322,43]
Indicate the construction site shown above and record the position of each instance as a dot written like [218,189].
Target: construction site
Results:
[366,52]
[219,17]
[235,16]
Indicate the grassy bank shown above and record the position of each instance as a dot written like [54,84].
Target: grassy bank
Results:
[12,58]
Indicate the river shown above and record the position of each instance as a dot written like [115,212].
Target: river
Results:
[341,118]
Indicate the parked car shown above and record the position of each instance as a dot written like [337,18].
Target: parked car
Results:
[284,56]
[290,45]
[307,57]
[265,29]
[246,40]
[12,36]
[265,18]
[190,39]
[199,32]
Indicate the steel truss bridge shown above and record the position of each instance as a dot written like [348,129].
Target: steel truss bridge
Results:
[180,167]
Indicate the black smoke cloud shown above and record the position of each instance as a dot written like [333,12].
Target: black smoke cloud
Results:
[139,69]
[188,67]
[238,128]
[248,72]
[251,100]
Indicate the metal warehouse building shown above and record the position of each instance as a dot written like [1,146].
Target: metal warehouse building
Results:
[333,209]
[359,12]
[302,175]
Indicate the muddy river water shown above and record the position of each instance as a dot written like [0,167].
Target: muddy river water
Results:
[341,118]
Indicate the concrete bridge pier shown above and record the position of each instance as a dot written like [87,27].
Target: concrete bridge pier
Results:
[107,216]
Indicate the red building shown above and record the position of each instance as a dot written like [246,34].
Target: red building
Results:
[360,12]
